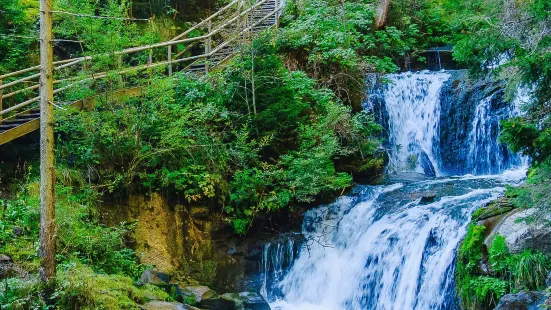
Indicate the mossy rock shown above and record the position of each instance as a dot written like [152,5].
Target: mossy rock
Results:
[492,209]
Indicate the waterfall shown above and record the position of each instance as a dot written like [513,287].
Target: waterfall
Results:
[412,101]
[393,246]
[277,258]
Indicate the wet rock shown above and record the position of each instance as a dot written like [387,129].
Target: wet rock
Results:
[155,277]
[428,168]
[218,302]
[522,301]
[164,305]
[494,208]
[521,234]
[200,293]
[428,198]
[253,301]
[247,301]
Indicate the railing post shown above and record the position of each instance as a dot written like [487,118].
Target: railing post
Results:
[150,56]
[277,4]
[169,60]
[1,100]
[208,48]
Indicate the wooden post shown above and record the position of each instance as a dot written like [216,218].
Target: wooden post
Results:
[208,47]
[277,4]
[170,60]
[150,56]
[1,100]
[47,269]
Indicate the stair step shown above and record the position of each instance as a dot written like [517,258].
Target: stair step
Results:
[8,127]
[15,121]
[28,116]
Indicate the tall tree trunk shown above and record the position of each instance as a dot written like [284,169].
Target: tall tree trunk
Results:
[47,171]
[382,11]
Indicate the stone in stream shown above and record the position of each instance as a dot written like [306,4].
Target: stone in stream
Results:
[428,198]
[253,301]
[198,293]
[155,278]
[247,301]
[164,305]
[522,301]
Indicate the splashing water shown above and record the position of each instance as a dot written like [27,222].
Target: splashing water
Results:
[384,247]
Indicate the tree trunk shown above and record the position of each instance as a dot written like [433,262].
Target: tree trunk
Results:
[382,11]
[47,171]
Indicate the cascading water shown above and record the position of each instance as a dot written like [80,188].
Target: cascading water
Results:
[393,246]
[412,101]
[277,258]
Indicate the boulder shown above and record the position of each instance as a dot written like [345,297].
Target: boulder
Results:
[428,198]
[218,303]
[253,301]
[197,293]
[247,301]
[522,301]
[155,277]
[521,235]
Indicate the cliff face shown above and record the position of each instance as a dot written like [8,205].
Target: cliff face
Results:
[192,243]
[462,101]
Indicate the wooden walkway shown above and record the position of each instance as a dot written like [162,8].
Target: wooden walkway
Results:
[221,35]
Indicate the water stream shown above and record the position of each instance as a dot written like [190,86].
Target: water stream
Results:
[393,246]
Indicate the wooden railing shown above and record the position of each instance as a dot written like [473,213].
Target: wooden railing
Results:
[221,31]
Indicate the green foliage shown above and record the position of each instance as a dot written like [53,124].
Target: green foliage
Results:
[80,235]
[525,137]
[95,268]
[480,289]
[17,33]
[498,254]
[218,140]
[79,287]
[336,43]
[536,192]
[477,291]
[529,270]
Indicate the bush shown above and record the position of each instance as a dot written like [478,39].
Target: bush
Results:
[80,237]
[217,141]
[479,289]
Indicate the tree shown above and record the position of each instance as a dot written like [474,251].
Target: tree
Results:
[47,169]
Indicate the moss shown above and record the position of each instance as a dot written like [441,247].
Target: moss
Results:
[477,290]
[190,299]
[80,287]
[493,209]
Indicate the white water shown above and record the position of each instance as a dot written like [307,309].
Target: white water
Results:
[486,154]
[383,249]
[412,101]
[387,247]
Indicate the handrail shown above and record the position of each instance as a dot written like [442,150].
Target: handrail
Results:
[176,40]
[205,20]
[139,48]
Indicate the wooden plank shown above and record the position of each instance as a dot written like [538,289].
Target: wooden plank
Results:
[19,131]
[83,104]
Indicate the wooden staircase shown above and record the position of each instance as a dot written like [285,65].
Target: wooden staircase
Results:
[223,32]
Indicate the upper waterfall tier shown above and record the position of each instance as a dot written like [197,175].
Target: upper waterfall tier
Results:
[442,123]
